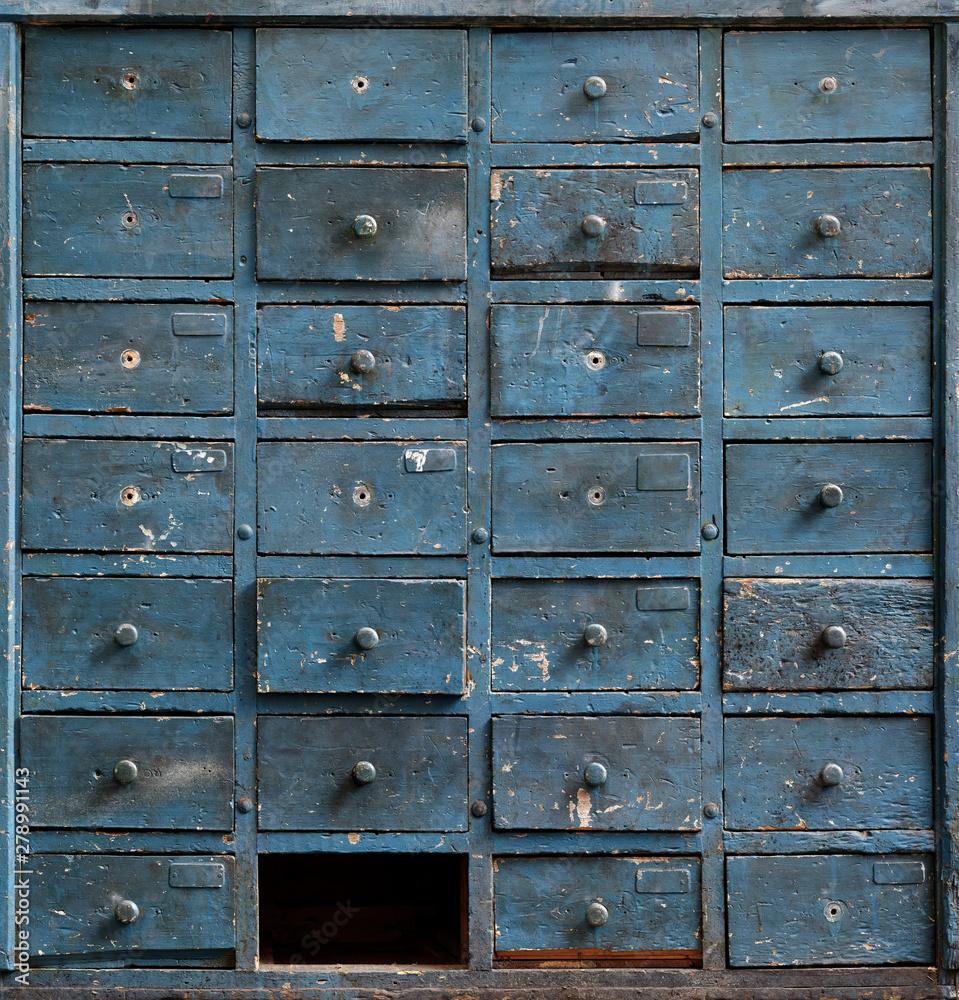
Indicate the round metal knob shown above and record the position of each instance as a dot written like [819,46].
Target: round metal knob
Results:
[828,84]
[364,226]
[127,911]
[363,772]
[595,774]
[834,636]
[830,775]
[830,495]
[126,634]
[831,363]
[596,914]
[362,362]
[125,772]
[828,225]
[595,88]
[366,638]
[594,226]
[595,635]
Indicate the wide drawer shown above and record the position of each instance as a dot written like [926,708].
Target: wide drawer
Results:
[596,773]
[350,773]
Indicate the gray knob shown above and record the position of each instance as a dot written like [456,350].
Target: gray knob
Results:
[595,774]
[364,226]
[828,225]
[596,914]
[831,775]
[125,772]
[834,636]
[594,226]
[828,84]
[362,362]
[127,911]
[595,88]
[126,634]
[831,363]
[363,772]
[366,638]
[595,635]
[830,495]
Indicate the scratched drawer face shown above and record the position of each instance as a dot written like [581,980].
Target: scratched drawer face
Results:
[863,83]
[590,907]
[129,773]
[595,86]
[827,773]
[118,496]
[596,773]
[595,360]
[596,497]
[130,910]
[843,361]
[827,635]
[863,222]
[839,497]
[101,219]
[588,220]
[361,355]
[595,635]
[841,909]
[348,773]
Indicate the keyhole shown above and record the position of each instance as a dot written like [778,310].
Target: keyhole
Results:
[595,360]
[362,495]
[129,495]
[129,220]
[130,81]
[360,84]
[596,495]
[130,359]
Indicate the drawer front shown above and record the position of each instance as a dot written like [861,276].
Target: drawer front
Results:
[114,357]
[862,83]
[155,496]
[595,635]
[320,84]
[596,497]
[124,773]
[556,360]
[112,83]
[180,905]
[779,498]
[365,223]
[127,634]
[580,220]
[100,219]
[852,909]
[828,773]
[598,86]
[810,223]
[346,773]
[842,361]
[361,355]
[583,907]
[331,636]
[827,635]
[377,498]
[596,773]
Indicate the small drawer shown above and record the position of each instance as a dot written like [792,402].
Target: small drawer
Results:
[584,220]
[361,223]
[129,773]
[827,635]
[370,498]
[825,773]
[118,496]
[838,497]
[328,84]
[115,357]
[127,634]
[107,220]
[596,773]
[863,83]
[121,83]
[861,222]
[840,909]
[595,635]
[351,773]
[341,636]
[595,86]
[596,907]
[596,497]
[131,910]
[595,360]
[361,355]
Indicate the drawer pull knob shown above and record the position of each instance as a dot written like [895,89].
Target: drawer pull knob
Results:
[595,774]
[362,362]
[127,911]
[126,634]
[831,775]
[596,915]
[130,80]
[363,772]
[595,634]
[125,772]
[366,638]
[828,225]
[364,226]
[828,85]
[595,88]
[830,495]
[594,226]
[834,636]
[831,363]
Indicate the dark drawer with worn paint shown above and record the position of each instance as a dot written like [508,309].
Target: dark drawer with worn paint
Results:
[837,497]
[118,496]
[364,223]
[860,83]
[587,220]
[595,635]
[349,773]
[329,636]
[131,910]
[596,497]
[591,907]
[862,222]
[127,634]
[559,360]
[825,773]
[129,773]
[327,84]
[596,772]
[840,909]
[843,361]
[596,86]
[827,635]
[103,219]
[361,355]
[117,357]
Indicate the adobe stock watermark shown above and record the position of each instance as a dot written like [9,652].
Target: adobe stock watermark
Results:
[315,939]
[21,871]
